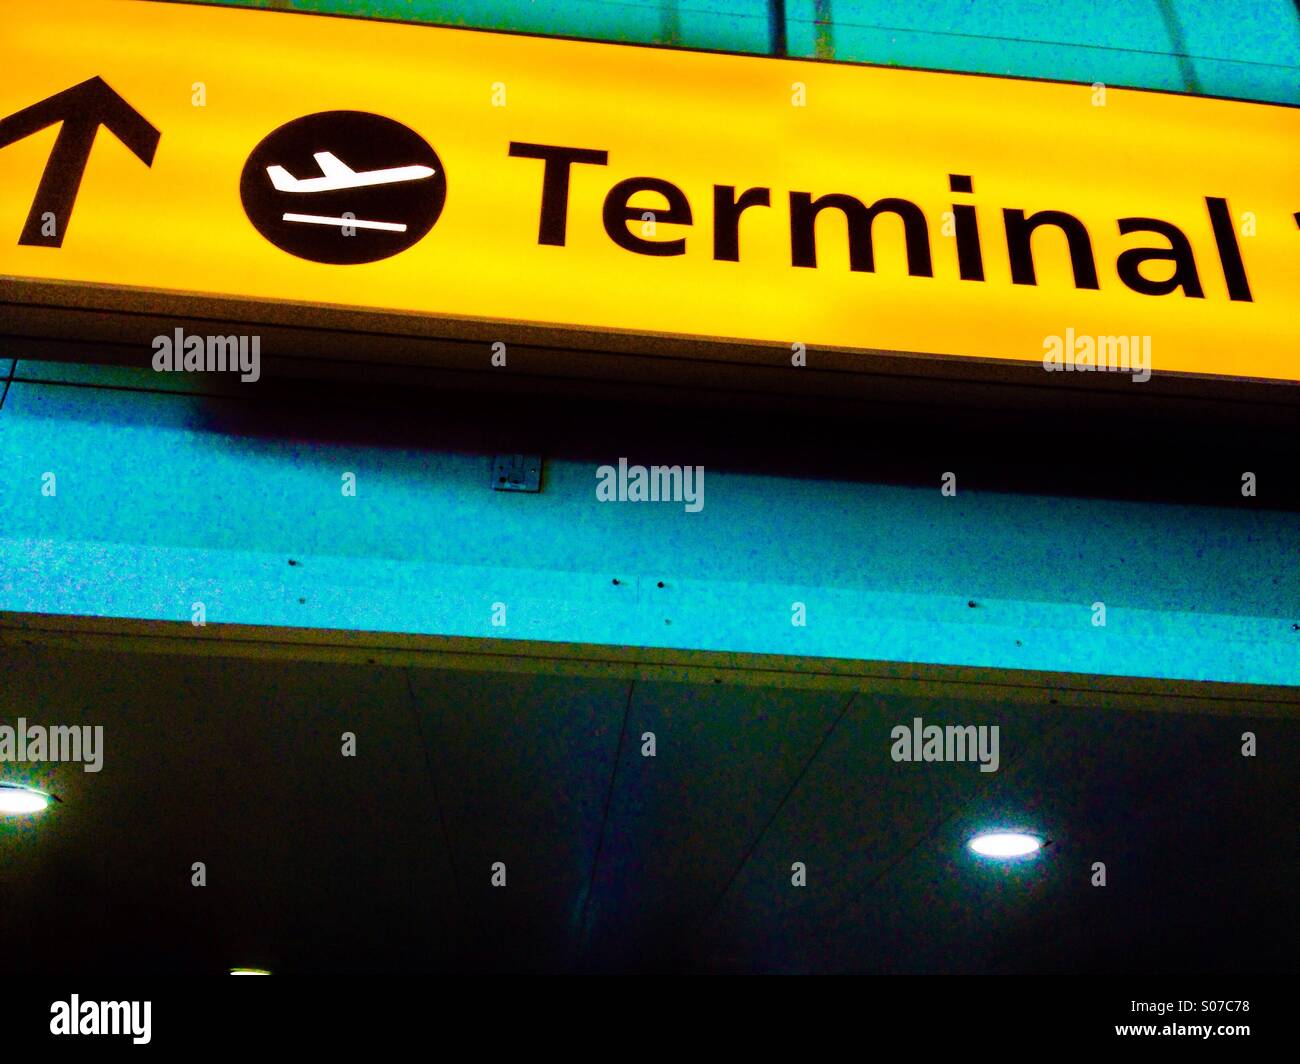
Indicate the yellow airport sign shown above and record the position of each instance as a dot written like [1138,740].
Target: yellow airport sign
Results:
[501,178]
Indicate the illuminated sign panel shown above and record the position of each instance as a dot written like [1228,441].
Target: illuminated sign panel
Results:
[464,174]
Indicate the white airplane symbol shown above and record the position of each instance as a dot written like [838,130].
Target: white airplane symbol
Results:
[339,175]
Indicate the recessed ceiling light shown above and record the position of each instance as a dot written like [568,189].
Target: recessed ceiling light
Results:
[249,971]
[1005,844]
[17,800]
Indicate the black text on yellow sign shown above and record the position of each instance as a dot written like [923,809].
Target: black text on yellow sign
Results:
[598,187]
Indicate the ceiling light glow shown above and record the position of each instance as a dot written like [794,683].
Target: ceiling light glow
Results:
[249,971]
[17,800]
[1003,845]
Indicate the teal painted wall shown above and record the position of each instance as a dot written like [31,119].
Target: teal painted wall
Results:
[162,501]
[1249,49]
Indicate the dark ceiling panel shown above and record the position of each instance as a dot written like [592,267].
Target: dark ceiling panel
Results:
[1200,867]
[681,822]
[522,764]
[382,862]
[314,861]
[854,816]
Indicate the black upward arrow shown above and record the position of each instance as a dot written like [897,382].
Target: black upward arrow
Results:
[82,109]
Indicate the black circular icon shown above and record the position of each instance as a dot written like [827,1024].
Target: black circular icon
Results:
[343,187]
